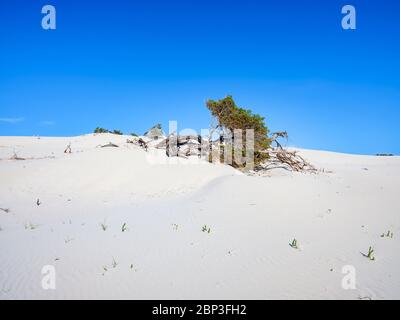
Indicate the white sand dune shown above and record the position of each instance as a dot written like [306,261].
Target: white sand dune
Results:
[163,254]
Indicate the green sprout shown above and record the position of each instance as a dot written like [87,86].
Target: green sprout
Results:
[124,227]
[30,226]
[370,254]
[206,229]
[105,270]
[68,240]
[294,244]
[104,226]
[389,234]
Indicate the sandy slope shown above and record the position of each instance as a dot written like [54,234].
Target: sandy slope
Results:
[335,215]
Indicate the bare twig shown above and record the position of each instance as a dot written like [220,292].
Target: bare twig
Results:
[283,158]
[68,149]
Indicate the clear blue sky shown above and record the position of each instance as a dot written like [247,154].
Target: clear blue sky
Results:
[126,64]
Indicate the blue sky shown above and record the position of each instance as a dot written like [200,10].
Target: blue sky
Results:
[130,64]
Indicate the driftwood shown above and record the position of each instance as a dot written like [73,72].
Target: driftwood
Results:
[139,142]
[285,159]
[29,158]
[112,145]
[280,157]
[16,157]
[143,144]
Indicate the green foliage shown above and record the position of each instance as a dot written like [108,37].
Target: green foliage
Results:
[206,229]
[134,134]
[30,226]
[101,130]
[231,117]
[389,234]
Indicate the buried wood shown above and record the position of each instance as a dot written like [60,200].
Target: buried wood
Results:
[143,144]
[108,145]
[16,157]
[139,142]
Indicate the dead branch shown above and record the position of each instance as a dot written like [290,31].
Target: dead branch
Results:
[143,144]
[283,158]
[139,142]
[276,136]
[191,145]
[68,149]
